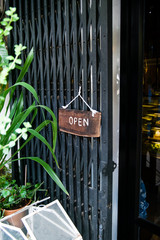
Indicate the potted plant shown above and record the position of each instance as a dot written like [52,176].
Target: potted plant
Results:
[14,197]
[13,124]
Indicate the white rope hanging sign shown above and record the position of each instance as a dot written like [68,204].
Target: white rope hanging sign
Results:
[79,95]
[79,122]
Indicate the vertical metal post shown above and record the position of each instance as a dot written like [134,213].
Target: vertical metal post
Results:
[116,109]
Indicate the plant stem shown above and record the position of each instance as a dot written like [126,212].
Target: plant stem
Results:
[14,141]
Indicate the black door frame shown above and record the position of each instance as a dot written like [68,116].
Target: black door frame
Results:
[130,116]
[132,41]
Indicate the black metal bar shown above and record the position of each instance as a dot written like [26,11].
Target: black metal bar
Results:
[84,63]
[46,34]
[76,140]
[85,141]
[41,69]
[105,78]
[35,79]
[40,42]
[27,39]
[19,12]
[61,89]
[54,80]
[93,96]
[48,81]
[68,99]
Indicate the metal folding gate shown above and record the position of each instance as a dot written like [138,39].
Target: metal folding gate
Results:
[72,42]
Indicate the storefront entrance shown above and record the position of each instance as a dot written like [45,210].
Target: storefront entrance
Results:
[139,175]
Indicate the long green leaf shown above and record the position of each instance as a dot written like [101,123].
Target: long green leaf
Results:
[20,105]
[20,118]
[26,65]
[35,133]
[38,129]
[13,108]
[27,86]
[34,115]
[42,139]
[48,169]
[24,70]
[54,125]
[16,108]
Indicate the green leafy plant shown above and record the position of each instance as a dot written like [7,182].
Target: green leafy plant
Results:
[14,137]
[14,124]
[13,196]
[8,63]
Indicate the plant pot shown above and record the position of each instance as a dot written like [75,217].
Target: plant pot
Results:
[16,220]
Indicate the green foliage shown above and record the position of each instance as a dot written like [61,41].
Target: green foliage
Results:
[8,63]
[6,23]
[14,136]
[12,195]
[14,122]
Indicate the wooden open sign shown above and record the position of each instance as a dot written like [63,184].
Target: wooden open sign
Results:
[80,123]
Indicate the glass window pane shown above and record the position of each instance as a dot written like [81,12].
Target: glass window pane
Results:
[150,168]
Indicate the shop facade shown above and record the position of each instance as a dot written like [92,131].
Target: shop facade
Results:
[109,49]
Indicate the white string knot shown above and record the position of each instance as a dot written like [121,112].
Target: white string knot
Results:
[79,95]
